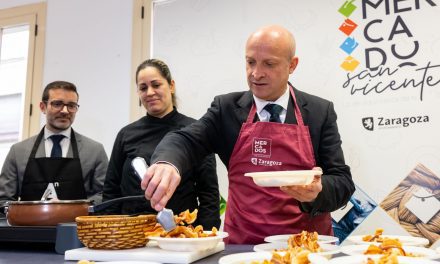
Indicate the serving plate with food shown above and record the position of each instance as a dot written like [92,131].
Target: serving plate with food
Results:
[283,178]
[190,244]
[406,240]
[408,251]
[378,238]
[363,259]
[266,257]
[322,239]
[185,237]
[296,249]
[327,250]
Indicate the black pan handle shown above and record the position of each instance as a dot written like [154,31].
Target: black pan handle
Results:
[102,206]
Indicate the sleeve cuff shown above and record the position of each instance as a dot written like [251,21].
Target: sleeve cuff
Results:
[309,208]
[166,162]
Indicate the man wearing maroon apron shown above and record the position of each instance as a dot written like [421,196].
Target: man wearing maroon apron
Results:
[304,136]
[268,210]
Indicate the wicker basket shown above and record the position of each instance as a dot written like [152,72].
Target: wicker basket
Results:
[114,231]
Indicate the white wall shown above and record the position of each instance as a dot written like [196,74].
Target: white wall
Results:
[89,44]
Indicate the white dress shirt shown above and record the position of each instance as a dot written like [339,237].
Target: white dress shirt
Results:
[65,142]
[283,101]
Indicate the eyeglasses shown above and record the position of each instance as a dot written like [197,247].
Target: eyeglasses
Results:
[59,105]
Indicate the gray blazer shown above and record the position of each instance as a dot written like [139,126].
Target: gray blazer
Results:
[92,156]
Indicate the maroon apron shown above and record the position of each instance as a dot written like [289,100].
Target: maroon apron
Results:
[254,212]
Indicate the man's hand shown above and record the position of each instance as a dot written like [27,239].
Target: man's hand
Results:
[159,184]
[305,193]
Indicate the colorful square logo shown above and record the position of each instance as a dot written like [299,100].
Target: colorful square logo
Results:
[348,26]
[349,64]
[347,8]
[349,45]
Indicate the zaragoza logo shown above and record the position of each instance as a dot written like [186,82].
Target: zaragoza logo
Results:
[368,123]
[393,122]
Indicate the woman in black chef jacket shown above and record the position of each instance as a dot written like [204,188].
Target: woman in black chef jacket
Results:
[198,187]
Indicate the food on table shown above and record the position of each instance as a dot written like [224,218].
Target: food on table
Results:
[299,246]
[189,232]
[296,255]
[385,259]
[306,240]
[83,261]
[387,247]
[184,229]
[377,237]
[186,217]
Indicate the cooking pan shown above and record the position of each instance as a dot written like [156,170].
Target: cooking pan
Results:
[51,213]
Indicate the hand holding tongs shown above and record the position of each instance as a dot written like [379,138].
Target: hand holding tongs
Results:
[166,216]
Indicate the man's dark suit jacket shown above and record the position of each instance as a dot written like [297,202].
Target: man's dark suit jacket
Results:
[218,130]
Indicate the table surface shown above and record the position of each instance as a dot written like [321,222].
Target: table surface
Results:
[44,253]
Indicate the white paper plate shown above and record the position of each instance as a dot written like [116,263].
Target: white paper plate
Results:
[317,259]
[328,249]
[283,178]
[419,251]
[359,259]
[245,258]
[189,244]
[269,247]
[249,257]
[405,240]
[322,239]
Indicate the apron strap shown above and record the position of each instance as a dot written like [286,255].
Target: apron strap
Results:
[36,144]
[251,115]
[74,144]
[297,112]
[298,115]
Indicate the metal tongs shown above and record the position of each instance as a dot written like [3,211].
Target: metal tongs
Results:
[166,216]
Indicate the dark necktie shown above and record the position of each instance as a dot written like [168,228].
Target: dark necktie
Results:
[275,111]
[56,148]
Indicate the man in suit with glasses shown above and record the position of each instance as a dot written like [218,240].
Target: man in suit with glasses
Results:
[58,163]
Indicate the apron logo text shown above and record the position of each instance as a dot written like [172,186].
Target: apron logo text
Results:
[262,162]
[261,147]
